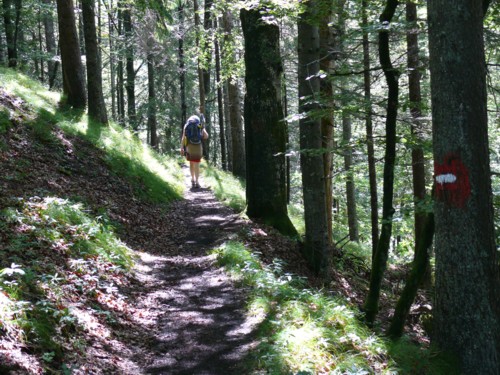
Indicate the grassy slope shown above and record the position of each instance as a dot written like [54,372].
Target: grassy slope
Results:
[62,256]
[61,248]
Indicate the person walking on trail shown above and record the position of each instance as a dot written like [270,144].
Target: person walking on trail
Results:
[191,146]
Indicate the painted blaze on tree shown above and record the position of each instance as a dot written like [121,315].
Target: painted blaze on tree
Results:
[452,181]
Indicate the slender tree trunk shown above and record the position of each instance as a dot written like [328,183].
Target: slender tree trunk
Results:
[9,16]
[265,132]
[415,278]
[120,93]
[391,75]
[227,125]
[96,106]
[316,246]
[152,124]
[352,216]
[50,43]
[182,69]
[222,133]
[237,138]
[73,76]
[201,84]
[81,33]
[206,50]
[417,129]
[130,83]
[372,174]
[467,298]
[40,46]
[112,68]
[326,46]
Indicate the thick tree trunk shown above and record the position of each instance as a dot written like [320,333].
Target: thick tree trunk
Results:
[466,313]
[391,75]
[96,106]
[265,132]
[317,249]
[372,173]
[130,83]
[152,124]
[72,68]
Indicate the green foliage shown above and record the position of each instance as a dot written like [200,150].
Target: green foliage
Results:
[227,188]
[51,242]
[308,331]
[4,120]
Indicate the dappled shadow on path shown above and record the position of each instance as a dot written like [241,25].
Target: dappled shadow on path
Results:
[200,325]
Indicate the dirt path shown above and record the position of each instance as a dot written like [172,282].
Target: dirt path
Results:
[194,314]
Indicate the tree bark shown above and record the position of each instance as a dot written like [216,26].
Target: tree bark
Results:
[96,106]
[370,150]
[317,249]
[417,129]
[415,278]
[237,136]
[11,12]
[120,92]
[391,75]
[72,68]
[466,313]
[265,133]
[128,28]
[182,69]
[152,123]
[222,133]
[326,40]
[112,68]
[206,50]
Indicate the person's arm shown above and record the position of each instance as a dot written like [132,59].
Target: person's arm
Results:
[183,141]
[204,133]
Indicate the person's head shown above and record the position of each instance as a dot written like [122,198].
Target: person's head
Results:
[194,119]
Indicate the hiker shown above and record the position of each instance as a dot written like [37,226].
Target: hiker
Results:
[191,147]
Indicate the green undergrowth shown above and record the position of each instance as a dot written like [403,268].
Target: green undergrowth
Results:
[305,331]
[228,189]
[155,177]
[59,265]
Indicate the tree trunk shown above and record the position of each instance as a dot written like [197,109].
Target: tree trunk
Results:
[112,68]
[415,279]
[10,11]
[40,47]
[316,246]
[352,216]
[326,39]
[50,43]
[466,313]
[417,129]
[227,124]
[120,93]
[72,68]
[220,105]
[182,69]
[391,75]
[152,124]
[96,106]
[237,137]
[206,50]
[372,173]
[130,83]
[265,132]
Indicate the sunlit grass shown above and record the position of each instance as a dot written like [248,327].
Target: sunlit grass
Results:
[305,331]
[227,188]
[155,177]
[55,252]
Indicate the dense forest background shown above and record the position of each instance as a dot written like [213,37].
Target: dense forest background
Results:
[345,119]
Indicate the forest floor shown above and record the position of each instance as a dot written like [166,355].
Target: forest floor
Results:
[177,312]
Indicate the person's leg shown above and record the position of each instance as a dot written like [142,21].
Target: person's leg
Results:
[192,167]
[196,173]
